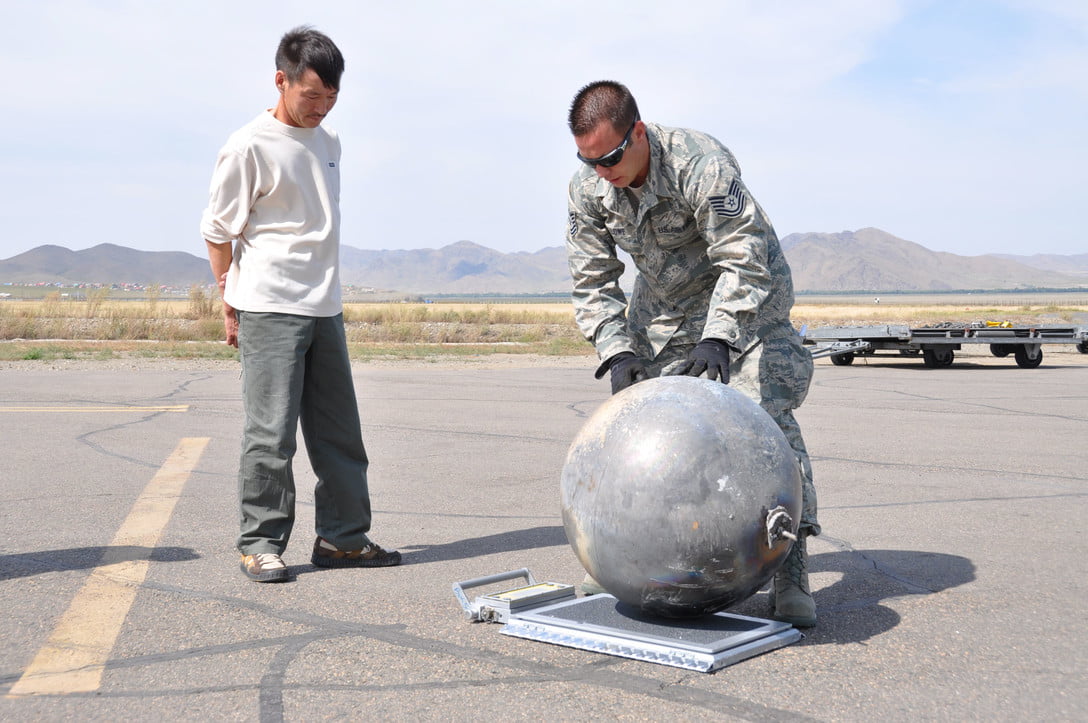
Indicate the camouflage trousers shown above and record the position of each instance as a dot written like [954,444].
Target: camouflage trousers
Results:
[776,374]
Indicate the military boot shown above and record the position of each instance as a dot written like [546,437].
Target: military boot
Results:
[790,595]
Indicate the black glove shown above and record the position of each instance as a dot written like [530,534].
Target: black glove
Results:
[626,369]
[710,356]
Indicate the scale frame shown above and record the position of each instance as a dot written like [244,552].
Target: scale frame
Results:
[649,639]
[549,612]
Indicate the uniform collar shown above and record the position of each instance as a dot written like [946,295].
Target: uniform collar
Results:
[661,180]
[656,187]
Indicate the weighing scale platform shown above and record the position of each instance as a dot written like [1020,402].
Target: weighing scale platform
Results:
[603,624]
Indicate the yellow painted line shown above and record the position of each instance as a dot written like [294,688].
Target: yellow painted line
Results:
[73,659]
[157,408]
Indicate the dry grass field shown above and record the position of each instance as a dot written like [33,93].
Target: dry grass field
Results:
[101,328]
[918,315]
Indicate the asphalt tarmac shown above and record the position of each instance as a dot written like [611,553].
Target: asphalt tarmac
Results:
[950,577]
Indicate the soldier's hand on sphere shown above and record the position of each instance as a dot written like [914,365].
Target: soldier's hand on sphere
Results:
[626,369]
[710,356]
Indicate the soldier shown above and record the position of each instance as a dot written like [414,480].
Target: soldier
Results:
[272,228]
[713,291]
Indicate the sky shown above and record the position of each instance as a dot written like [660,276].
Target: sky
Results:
[959,125]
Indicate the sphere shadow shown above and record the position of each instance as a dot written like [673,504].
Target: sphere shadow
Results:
[850,609]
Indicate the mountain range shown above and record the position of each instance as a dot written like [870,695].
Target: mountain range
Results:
[865,260]
[872,260]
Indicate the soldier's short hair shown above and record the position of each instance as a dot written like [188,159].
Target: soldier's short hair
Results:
[304,48]
[599,101]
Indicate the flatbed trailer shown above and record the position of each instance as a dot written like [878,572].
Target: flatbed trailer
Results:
[938,344]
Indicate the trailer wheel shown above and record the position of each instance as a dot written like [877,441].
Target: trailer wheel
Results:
[843,360]
[1001,350]
[1026,362]
[1083,347]
[935,358]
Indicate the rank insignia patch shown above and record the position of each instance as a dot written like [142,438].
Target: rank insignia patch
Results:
[732,205]
[573,225]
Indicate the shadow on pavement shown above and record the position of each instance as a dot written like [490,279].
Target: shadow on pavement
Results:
[529,539]
[850,609]
[25,564]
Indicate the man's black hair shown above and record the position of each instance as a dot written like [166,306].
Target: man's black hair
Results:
[602,100]
[305,48]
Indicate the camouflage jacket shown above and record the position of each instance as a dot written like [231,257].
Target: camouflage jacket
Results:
[709,263]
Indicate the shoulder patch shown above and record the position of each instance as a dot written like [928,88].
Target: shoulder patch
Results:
[732,204]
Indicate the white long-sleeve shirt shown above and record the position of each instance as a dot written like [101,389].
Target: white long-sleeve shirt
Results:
[275,194]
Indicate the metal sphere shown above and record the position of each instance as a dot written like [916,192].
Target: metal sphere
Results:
[680,496]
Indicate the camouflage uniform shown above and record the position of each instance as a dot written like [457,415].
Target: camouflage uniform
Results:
[709,266]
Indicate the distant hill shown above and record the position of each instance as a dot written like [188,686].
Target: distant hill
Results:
[460,268]
[105,264]
[872,260]
[865,260]
[1076,264]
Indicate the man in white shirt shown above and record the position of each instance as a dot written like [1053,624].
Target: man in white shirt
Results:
[272,228]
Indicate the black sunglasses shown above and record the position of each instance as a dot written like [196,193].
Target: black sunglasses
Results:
[614,156]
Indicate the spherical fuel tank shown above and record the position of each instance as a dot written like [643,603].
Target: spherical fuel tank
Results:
[681,496]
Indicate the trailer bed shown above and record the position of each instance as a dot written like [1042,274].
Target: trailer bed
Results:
[937,344]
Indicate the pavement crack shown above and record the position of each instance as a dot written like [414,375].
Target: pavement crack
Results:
[184,386]
[912,587]
[85,439]
[270,697]
[599,673]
